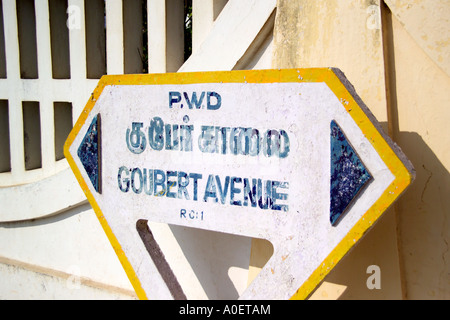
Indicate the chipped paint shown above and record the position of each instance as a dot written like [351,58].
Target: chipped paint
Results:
[348,174]
[89,153]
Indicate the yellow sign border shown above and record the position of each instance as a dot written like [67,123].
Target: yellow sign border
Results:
[400,168]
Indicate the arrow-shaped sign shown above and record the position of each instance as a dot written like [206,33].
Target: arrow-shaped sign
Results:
[290,156]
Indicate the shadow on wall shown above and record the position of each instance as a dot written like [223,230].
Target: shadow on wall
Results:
[423,213]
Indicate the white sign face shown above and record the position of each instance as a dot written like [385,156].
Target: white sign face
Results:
[237,153]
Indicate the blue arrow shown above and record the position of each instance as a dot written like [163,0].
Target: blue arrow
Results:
[348,174]
[89,153]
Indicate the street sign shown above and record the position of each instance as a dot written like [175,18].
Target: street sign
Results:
[290,156]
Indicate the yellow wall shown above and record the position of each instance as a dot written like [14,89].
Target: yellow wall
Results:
[423,97]
[394,53]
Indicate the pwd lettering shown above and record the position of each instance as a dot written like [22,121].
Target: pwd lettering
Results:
[195,100]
